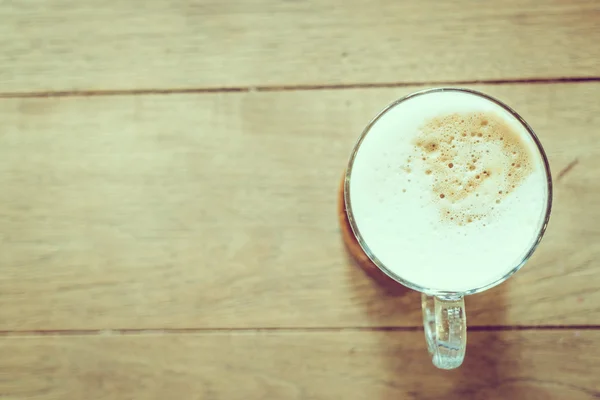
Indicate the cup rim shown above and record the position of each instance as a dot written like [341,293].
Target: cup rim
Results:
[396,277]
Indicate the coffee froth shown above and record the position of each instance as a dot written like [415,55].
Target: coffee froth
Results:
[466,155]
[448,190]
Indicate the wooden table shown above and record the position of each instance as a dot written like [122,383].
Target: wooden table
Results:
[168,182]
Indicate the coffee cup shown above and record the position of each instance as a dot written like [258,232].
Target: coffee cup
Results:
[448,192]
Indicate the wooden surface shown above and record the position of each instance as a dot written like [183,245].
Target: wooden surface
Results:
[298,365]
[102,45]
[163,236]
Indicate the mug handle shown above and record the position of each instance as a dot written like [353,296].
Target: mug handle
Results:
[445,325]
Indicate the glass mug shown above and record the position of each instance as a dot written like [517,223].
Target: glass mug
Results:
[444,317]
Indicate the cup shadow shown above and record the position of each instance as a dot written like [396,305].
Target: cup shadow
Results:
[492,368]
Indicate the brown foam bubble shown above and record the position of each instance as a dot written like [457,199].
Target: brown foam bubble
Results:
[463,154]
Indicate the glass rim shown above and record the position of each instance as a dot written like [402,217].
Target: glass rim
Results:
[398,278]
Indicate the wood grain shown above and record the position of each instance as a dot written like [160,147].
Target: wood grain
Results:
[298,365]
[219,210]
[65,45]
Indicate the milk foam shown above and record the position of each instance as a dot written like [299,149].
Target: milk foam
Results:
[448,190]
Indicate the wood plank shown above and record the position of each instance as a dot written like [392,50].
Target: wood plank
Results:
[119,45]
[219,210]
[529,365]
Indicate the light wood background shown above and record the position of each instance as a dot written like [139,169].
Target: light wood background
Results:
[168,198]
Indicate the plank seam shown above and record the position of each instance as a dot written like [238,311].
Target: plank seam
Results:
[287,88]
[198,331]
